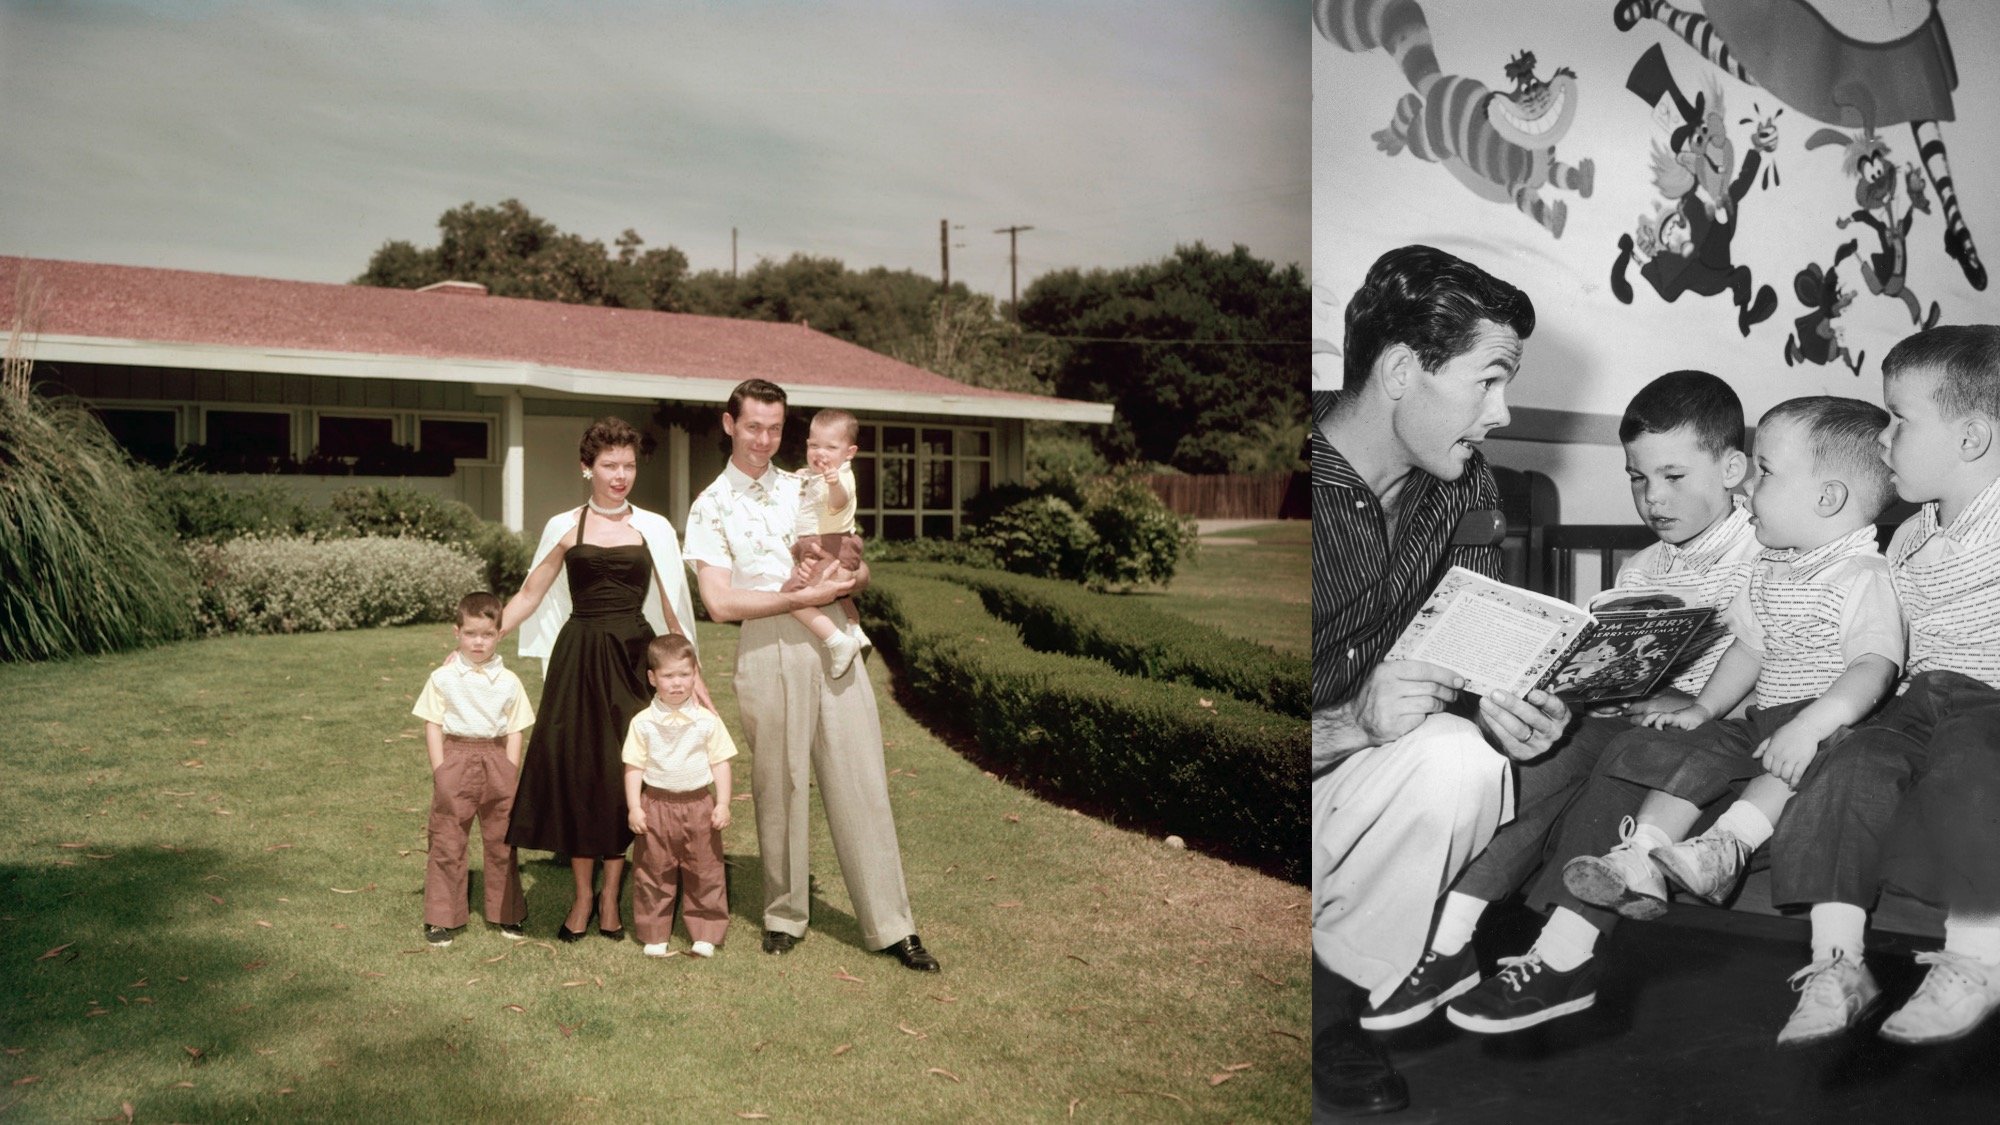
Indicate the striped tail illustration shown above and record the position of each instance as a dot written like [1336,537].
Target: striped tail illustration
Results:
[1957,236]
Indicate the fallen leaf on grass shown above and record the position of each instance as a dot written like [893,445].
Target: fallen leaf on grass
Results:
[1007,905]
[77,845]
[98,1012]
[752,1115]
[100,855]
[194,763]
[1075,958]
[181,1086]
[340,925]
[574,983]
[1268,978]
[1219,1079]
[345,890]
[194,1053]
[942,999]
[908,1030]
[938,1070]
[473,980]
[1286,1034]
[1208,703]
[1157,1094]
[848,977]
[1013,818]
[1073,1103]
[495,959]
[283,1090]
[142,1000]
[27,1079]
[174,848]
[198,742]
[176,793]
[745,797]
[372,975]
[267,1050]
[843,1048]
[216,899]
[15,1051]
[56,950]
[264,924]
[568,1029]
[512,1008]
[253,966]
[279,847]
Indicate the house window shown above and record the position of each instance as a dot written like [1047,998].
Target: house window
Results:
[465,439]
[148,435]
[351,437]
[914,480]
[248,434]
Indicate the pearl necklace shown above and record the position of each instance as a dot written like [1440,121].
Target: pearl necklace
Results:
[621,509]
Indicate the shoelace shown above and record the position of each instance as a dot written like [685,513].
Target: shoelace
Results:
[1948,970]
[1810,976]
[1515,972]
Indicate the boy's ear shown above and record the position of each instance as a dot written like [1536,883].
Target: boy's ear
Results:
[1975,438]
[1833,497]
[1735,466]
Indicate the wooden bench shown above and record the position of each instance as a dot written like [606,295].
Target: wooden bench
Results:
[1541,553]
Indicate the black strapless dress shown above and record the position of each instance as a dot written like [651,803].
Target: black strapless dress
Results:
[572,793]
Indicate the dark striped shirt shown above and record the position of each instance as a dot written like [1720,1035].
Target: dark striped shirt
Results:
[1365,589]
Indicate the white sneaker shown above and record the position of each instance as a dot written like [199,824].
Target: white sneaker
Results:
[1708,866]
[1833,994]
[702,949]
[1624,879]
[843,649]
[860,638]
[1957,995]
[656,949]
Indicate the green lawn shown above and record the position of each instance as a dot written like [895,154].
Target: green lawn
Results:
[1254,583]
[211,860]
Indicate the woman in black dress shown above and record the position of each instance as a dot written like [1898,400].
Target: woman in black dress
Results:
[606,579]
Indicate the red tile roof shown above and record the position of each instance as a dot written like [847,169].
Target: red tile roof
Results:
[185,307]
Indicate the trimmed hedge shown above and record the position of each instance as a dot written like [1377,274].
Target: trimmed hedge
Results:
[309,586]
[1219,771]
[1135,638]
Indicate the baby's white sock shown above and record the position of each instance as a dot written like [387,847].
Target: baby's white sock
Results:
[1975,935]
[1837,927]
[1456,923]
[1567,940]
[1747,823]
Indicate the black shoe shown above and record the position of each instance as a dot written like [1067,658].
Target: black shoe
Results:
[1436,981]
[439,936]
[1524,993]
[565,934]
[778,941]
[911,952]
[512,931]
[615,935]
[1352,1075]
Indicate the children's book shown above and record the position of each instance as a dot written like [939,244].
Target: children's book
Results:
[1502,637]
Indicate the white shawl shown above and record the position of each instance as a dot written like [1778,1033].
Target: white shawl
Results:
[538,632]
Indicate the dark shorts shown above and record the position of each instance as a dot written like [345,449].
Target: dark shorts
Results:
[1700,765]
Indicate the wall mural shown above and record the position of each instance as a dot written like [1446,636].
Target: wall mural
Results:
[1786,161]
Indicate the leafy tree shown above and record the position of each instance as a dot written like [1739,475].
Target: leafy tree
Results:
[1197,350]
[877,308]
[515,253]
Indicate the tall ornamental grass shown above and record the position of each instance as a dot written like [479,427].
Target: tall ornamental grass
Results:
[85,566]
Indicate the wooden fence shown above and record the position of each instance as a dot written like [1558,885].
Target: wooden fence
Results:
[1235,496]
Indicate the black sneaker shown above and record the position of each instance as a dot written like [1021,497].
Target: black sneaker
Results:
[1524,993]
[512,931]
[1435,982]
[438,935]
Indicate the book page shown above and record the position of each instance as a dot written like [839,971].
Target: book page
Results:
[1491,644]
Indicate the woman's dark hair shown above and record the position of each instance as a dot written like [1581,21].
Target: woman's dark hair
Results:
[1431,301]
[607,433]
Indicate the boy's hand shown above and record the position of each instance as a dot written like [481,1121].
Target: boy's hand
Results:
[719,817]
[1686,718]
[1668,700]
[636,821]
[1787,753]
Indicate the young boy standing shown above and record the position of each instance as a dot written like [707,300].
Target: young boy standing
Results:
[474,711]
[1683,438]
[824,538]
[1820,639]
[673,750]
[1939,740]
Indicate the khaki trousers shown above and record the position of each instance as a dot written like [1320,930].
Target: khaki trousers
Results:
[1392,827]
[476,779]
[680,849]
[801,724]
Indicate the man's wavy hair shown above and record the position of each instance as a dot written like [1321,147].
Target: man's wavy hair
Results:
[1431,301]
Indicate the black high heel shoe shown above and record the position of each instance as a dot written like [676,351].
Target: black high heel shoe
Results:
[567,935]
[615,935]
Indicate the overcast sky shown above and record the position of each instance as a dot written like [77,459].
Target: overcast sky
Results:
[290,138]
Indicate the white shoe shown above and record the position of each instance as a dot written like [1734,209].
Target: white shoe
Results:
[1624,879]
[1708,866]
[860,638]
[656,949]
[702,949]
[1957,995]
[843,649]
[1833,994]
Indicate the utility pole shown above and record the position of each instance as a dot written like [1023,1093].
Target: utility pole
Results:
[945,227]
[732,253]
[1013,263]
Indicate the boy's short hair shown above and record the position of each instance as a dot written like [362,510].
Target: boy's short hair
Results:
[1844,436]
[1687,398]
[481,604]
[667,648]
[763,390]
[1967,360]
[607,433]
[834,416]
[1431,301]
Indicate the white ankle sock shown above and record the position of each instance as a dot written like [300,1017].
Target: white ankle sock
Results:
[1567,940]
[1456,923]
[1646,837]
[1837,926]
[1976,936]
[1746,822]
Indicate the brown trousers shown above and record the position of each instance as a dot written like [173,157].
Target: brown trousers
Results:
[681,848]
[476,779]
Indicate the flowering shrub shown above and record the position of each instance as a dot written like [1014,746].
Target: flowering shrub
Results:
[305,586]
